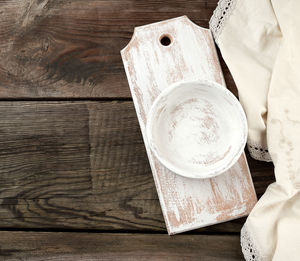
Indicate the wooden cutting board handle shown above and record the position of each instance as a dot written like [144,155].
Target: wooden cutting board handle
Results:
[157,56]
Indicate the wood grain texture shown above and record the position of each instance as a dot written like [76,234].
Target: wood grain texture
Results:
[83,165]
[66,48]
[151,67]
[84,246]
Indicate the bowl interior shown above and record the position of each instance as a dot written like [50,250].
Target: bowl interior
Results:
[197,129]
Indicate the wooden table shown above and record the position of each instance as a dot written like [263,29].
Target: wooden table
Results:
[75,182]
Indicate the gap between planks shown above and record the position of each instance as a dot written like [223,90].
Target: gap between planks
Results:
[65,99]
[118,231]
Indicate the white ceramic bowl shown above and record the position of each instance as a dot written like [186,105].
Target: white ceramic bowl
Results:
[197,129]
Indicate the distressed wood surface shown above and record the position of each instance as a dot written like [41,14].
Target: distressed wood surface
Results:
[150,68]
[68,49]
[83,165]
[98,246]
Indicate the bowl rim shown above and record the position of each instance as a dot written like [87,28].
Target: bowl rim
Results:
[172,167]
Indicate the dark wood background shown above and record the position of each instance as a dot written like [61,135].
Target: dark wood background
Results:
[75,181]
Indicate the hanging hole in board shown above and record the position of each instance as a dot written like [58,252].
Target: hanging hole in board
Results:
[165,40]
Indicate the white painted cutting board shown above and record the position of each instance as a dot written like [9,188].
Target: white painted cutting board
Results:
[150,67]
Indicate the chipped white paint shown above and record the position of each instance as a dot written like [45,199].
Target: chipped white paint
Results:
[150,68]
[197,129]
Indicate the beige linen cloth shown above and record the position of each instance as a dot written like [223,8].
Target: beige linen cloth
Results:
[260,42]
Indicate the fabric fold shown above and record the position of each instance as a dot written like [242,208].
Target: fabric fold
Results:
[249,37]
[259,42]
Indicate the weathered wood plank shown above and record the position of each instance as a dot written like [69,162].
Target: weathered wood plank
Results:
[186,204]
[82,165]
[87,246]
[70,49]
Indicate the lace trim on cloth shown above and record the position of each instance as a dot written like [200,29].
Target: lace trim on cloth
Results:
[259,152]
[249,249]
[220,15]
